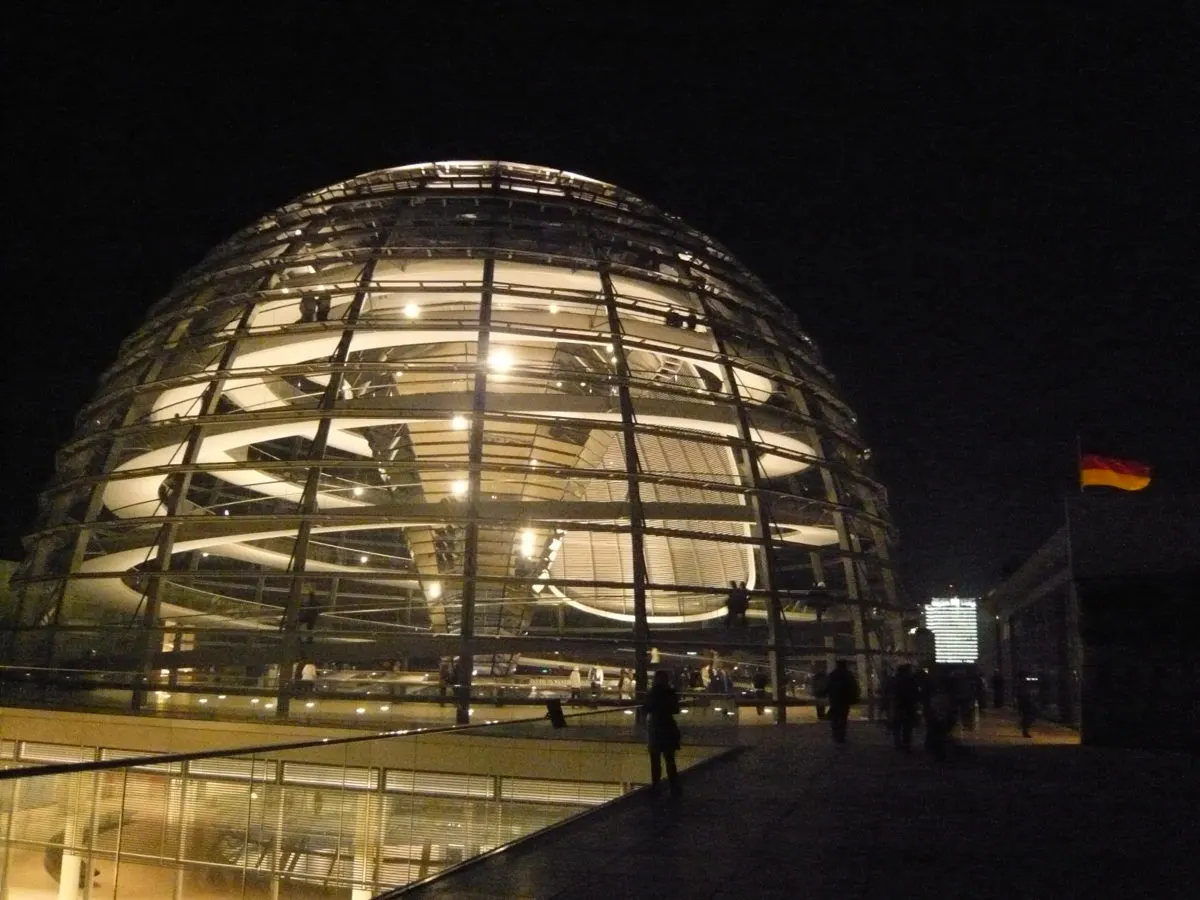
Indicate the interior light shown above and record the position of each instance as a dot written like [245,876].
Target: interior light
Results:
[221,696]
[458,488]
[412,311]
[204,554]
[533,463]
[363,558]
[558,384]
[434,590]
[385,707]
[202,700]
[554,309]
[255,700]
[500,360]
[527,538]
[269,706]
[358,492]
[361,710]
[458,423]
[309,705]
[224,512]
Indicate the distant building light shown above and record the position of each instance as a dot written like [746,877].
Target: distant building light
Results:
[955,626]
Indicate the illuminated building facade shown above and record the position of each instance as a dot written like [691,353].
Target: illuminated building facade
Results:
[454,409]
[954,622]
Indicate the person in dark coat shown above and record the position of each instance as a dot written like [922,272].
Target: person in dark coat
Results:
[662,733]
[1025,707]
[819,687]
[761,681]
[906,696]
[843,691]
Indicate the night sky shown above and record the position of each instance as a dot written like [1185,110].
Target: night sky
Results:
[987,221]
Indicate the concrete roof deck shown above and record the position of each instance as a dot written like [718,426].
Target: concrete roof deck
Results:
[797,816]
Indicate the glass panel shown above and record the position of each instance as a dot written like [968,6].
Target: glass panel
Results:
[337,818]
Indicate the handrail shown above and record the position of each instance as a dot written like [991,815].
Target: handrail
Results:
[162,758]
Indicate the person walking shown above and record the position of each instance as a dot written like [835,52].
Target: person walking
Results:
[906,695]
[843,691]
[1025,709]
[662,732]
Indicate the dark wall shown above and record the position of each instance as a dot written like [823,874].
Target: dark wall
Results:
[1141,660]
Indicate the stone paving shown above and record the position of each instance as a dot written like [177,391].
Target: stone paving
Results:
[797,816]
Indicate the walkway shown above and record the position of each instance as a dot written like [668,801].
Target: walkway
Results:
[798,817]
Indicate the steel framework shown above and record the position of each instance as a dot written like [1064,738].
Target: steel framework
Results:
[475,402]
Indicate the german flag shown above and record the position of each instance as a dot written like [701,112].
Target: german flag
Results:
[1104,471]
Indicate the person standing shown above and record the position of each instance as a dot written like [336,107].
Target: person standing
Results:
[736,604]
[843,693]
[997,690]
[662,732]
[819,687]
[906,695]
[1025,710]
[761,680]
[308,679]
[575,682]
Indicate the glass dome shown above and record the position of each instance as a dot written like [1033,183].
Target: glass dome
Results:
[455,407]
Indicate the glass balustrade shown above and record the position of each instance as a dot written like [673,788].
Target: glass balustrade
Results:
[333,818]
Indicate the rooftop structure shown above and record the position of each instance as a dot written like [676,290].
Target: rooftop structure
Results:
[454,410]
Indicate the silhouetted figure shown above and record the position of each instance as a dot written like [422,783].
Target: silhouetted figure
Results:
[308,309]
[761,680]
[843,693]
[906,697]
[938,710]
[819,687]
[887,681]
[445,679]
[662,733]
[1025,707]
[322,311]
[309,613]
[736,604]
[997,690]
[980,692]
[963,691]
